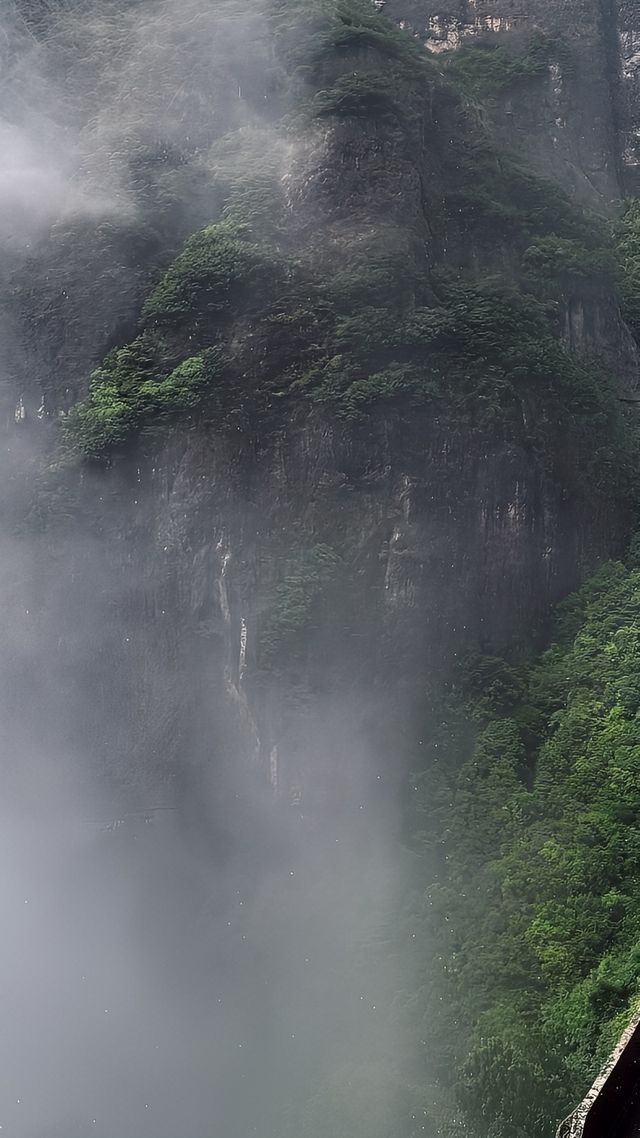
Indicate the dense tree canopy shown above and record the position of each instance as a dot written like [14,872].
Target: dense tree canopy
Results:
[536,907]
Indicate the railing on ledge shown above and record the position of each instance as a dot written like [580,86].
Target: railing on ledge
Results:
[614,1099]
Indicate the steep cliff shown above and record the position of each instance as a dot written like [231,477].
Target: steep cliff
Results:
[462,479]
[375,417]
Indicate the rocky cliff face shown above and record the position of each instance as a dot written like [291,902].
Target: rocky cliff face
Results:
[435,536]
[570,130]
[630,67]
[441,550]
[346,447]
[584,130]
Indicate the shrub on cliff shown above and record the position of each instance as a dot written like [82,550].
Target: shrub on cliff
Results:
[485,71]
[218,270]
[130,390]
[358,96]
[286,626]
[559,261]
[628,249]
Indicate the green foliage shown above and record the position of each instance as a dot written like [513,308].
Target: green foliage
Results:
[628,250]
[532,907]
[471,358]
[352,345]
[486,71]
[217,270]
[380,273]
[296,605]
[483,184]
[311,34]
[355,29]
[246,167]
[359,96]
[538,912]
[504,1089]
[257,204]
[489,71]
[559,261]
[363,324]
[490,323]
[129,389]
[490,685]
[218,276]
[350,393]
[347,61]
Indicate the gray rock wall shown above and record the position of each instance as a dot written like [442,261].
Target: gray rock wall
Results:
[447,541]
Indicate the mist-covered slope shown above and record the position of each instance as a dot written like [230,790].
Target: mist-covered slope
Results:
[388,317]
[318,375]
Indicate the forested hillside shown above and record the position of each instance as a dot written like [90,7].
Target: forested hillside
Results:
[535,903]
[319,350]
